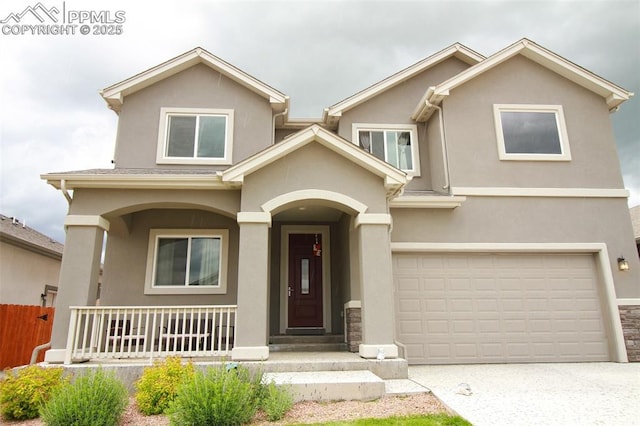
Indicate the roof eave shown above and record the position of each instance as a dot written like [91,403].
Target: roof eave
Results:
[137,181]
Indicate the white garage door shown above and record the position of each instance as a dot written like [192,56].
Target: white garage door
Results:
[477,308]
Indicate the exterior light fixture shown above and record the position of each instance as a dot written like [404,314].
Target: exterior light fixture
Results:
[623,265]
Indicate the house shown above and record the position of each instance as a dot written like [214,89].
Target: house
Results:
[635,221]
[466,209]
[29,264]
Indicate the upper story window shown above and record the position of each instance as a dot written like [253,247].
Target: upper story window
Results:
[187,261]
[531,132]
[395,144]
[195,136]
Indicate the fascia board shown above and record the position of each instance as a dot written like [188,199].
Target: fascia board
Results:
[457,50]
[114,94]
[173,181]
[612,93]
[316,133]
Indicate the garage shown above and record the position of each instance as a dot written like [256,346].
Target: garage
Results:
[457,308]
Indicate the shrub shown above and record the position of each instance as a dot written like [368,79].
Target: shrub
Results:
[217,397]
[159,385]
[276,401]
[93,399]
[24,391]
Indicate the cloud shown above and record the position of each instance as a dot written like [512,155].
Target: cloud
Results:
[318,53]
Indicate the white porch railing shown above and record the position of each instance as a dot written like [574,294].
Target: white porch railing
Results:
[99,332]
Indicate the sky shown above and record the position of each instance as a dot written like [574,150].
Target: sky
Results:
[53,119]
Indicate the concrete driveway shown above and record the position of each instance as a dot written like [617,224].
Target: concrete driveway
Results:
[538,394]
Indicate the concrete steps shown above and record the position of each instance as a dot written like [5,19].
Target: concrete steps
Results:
[312,343]
[360,385]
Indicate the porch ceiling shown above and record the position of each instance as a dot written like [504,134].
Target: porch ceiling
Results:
[311,213]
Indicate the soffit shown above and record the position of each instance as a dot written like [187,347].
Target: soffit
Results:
[114,95]
[613,95]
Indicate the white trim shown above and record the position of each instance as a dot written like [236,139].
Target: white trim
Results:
[427,202]
[55,356]
[456,50]
[274,205]
[612,316]
[152,254]
[250,353]
[325,231]
[630,301]
[613,95]
[163,128]
[540,192]
[87,220]
[394,179]
[561,127]
[372,219]
[115,93]
[137,181]
[383,127]
[254,217]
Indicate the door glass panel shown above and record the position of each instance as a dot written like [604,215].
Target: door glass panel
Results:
[304,276]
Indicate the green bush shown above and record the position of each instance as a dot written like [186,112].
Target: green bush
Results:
[276,401]
[24,391]
[217,397]
[159,385]
[93,399]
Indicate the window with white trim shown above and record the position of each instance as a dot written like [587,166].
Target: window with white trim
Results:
[195,136]
[395,144]
[187,261]
[531,132]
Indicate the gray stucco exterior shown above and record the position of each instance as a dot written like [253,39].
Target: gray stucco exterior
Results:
[317,178]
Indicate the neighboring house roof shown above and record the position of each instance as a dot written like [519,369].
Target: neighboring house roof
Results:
[614,95]
[394,179]
[456,50]
[114,95]
[17,233]
[635,221]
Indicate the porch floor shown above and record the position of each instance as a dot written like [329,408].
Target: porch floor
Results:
[335,367]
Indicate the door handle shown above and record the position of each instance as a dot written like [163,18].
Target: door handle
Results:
[290,291]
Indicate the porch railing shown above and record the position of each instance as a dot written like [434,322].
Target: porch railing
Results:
[103,332]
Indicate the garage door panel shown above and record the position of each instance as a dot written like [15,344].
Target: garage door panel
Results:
[499,308]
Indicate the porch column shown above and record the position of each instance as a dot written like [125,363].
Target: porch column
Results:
[376,286]
[252,320]
[79,274]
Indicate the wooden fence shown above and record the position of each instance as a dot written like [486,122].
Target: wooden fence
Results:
[22,328]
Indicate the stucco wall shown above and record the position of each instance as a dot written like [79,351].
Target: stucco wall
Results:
[471,134]
[195,87]
[529,220]
[313,167]
[24,274]
[126,258]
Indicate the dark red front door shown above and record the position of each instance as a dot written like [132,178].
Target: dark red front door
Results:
[305,280]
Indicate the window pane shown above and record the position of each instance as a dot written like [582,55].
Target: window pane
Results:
[530,132]
[304,276]
[181,136]
[171,264]
[405,160]
[211,136]
[377,144]
[365,140]
[204,267]
[392,148]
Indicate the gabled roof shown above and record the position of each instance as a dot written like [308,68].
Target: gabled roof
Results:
[19,234]
[456,50]
[614,95]
[114,95]
[394,179]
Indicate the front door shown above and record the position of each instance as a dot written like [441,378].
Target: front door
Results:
[305,280]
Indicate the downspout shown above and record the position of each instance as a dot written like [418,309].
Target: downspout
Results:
[65,191]
[445,152]
[273,135]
